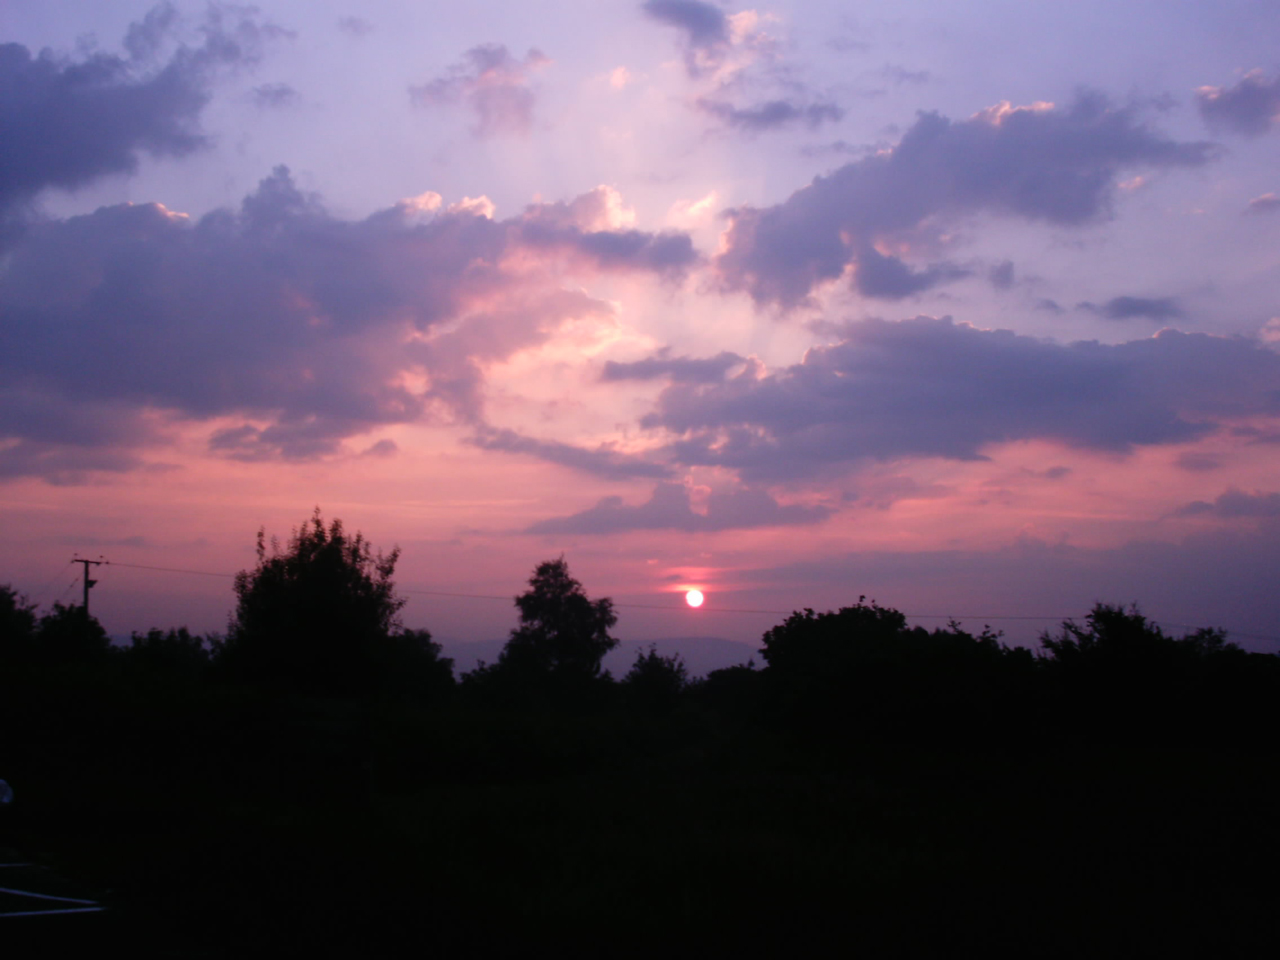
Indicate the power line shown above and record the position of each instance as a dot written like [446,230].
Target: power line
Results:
[708,609]
[140,566]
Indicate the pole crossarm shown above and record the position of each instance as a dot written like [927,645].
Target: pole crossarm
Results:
[87,582]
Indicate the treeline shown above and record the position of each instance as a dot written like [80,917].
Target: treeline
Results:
[865,773]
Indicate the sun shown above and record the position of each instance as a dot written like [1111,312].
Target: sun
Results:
[693,598]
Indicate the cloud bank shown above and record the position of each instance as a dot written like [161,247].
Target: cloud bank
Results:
[1249,108]
[1041,162]
[933,388]
[308,328]
[68,121]
[670,508]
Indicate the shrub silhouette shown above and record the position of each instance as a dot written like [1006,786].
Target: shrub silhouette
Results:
[17,623]
[654,683]
[864,666]
[554,655]
[311,616]
[1116,640]
[70,634]
[172,653]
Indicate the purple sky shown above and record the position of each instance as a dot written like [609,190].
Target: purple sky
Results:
[973,309]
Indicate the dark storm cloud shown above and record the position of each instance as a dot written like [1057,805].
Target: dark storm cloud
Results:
[670,509]
[933,388]
[69,121]
[1058,165]
[1250,108]
[705,28]
[771,114]
[888,278]
[300,324]
[1236,504]
[603,461]
[1126,308]
[679,369]
[492,83]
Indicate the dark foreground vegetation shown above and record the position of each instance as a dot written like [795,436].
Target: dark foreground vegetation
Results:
[319,781]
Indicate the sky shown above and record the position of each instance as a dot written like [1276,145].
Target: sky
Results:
[970,309]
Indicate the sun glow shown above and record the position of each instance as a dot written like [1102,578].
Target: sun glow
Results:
[693,598]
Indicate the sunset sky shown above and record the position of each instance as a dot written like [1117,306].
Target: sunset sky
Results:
[973,309]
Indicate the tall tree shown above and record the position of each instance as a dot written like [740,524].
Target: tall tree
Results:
[562,632]
[312,616]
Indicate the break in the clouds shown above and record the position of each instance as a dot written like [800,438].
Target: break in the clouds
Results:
[770,114]
[1250,107]
[491,82]
[70,120]
[302,324]
[1040,162]
[670,508]
[934,388]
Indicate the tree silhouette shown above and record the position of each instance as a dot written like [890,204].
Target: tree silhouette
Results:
[17,622]
[562,633]
[69,633]
[311,616]
[654,682]
[1114,639]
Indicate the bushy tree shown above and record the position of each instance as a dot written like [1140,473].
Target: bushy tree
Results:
[311,615]
[562,632]
[1114,639]
[553,657]
[863,667]
[69,633]
[168,653]
[17,623]
[654,682]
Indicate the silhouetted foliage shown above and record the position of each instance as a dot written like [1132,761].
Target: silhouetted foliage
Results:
[654,682]
[735,691]
[561,631]
[170,653]
[872,773]
[863,669]
[1118,674]
[310,616]
[408,664]
[1114,639]
[17,623]
[553,656]
[69,634]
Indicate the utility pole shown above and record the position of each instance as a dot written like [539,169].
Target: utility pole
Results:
[87,582]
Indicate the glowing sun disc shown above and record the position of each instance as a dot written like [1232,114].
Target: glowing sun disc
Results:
[693,598]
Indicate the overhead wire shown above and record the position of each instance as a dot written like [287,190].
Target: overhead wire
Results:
[411,591]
